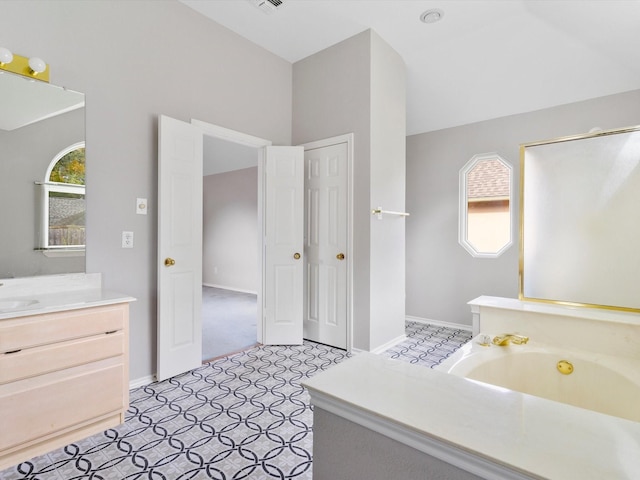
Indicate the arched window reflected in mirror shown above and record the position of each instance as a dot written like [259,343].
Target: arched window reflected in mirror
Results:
[485,228]
[63,201]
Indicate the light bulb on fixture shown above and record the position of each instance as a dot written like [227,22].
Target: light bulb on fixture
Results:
[5,56]
[37,65]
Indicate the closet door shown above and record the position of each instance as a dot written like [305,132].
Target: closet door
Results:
[326,175]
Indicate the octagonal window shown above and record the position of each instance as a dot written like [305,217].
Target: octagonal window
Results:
[485,228]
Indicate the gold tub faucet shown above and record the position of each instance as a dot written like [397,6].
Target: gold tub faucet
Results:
[506,338]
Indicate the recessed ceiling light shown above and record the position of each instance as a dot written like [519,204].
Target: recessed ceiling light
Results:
[432,16]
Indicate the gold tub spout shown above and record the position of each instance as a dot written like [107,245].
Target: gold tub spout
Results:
[506,338]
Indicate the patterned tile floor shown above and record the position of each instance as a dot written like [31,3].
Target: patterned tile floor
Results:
[240,417]
[427,344]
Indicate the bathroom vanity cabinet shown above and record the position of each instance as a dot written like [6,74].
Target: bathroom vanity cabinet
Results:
[63,376]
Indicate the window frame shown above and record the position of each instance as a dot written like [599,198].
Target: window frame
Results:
[48,187]
[463,209]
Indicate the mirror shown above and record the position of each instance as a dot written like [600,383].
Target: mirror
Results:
[581,220]
[37,122]
[485,206]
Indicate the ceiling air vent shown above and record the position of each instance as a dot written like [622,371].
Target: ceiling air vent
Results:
[268,6]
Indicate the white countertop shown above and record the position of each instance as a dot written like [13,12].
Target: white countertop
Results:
[59,301]
[591,313]
[54,293]
[529,435]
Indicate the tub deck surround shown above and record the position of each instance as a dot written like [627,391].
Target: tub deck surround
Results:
[605,331]
[488,431]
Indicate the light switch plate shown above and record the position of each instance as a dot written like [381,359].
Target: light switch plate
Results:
[127,239]
[141,206]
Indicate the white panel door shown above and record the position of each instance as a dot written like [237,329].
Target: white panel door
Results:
[180,153]
[325,315]
[283,243]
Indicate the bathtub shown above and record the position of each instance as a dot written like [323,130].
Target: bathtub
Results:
[602,383]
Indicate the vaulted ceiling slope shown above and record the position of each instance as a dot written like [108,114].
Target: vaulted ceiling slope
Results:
[484,59]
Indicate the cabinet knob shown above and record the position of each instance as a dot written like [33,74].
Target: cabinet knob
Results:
[340,256]
[168,262]
[296,256]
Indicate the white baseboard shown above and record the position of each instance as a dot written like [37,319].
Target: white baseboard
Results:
[402,338]
[225,287]
[381,348]
[458,326]
[389,344]
[141,382]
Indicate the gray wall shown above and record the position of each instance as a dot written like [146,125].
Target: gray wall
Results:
[388,160]
[25,156]
[441,276]
[331,97]
[230,230]
[358,86]
[135,60]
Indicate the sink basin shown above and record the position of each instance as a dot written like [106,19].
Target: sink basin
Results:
[15,304]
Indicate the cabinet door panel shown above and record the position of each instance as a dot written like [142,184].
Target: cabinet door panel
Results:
[42,407]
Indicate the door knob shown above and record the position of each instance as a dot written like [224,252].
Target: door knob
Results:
[168,262]
[296,256]
[340,256]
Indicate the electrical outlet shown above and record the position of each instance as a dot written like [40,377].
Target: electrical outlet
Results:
[127,239]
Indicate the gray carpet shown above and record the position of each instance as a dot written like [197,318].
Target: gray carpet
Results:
[228,322]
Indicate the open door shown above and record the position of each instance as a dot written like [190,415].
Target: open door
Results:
[180,160]
[180,150]
[283,226]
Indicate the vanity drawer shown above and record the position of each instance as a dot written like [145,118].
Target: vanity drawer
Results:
[49,358]
[39,407]
[48,328]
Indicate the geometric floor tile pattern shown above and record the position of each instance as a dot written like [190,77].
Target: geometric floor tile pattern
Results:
[428,344]
[244,416]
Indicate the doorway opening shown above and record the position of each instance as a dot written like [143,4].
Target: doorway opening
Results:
[230,235]
[235,163]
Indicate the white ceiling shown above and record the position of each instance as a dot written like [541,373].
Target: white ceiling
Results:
[485,59]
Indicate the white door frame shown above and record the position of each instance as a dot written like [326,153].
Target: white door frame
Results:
[234,136]
[257,142]
[327,142]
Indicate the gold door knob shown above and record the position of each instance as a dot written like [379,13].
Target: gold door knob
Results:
[296,256]
[340,256]
[168,262]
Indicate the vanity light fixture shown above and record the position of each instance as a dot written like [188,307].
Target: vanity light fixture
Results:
[33,67]
[432,15]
